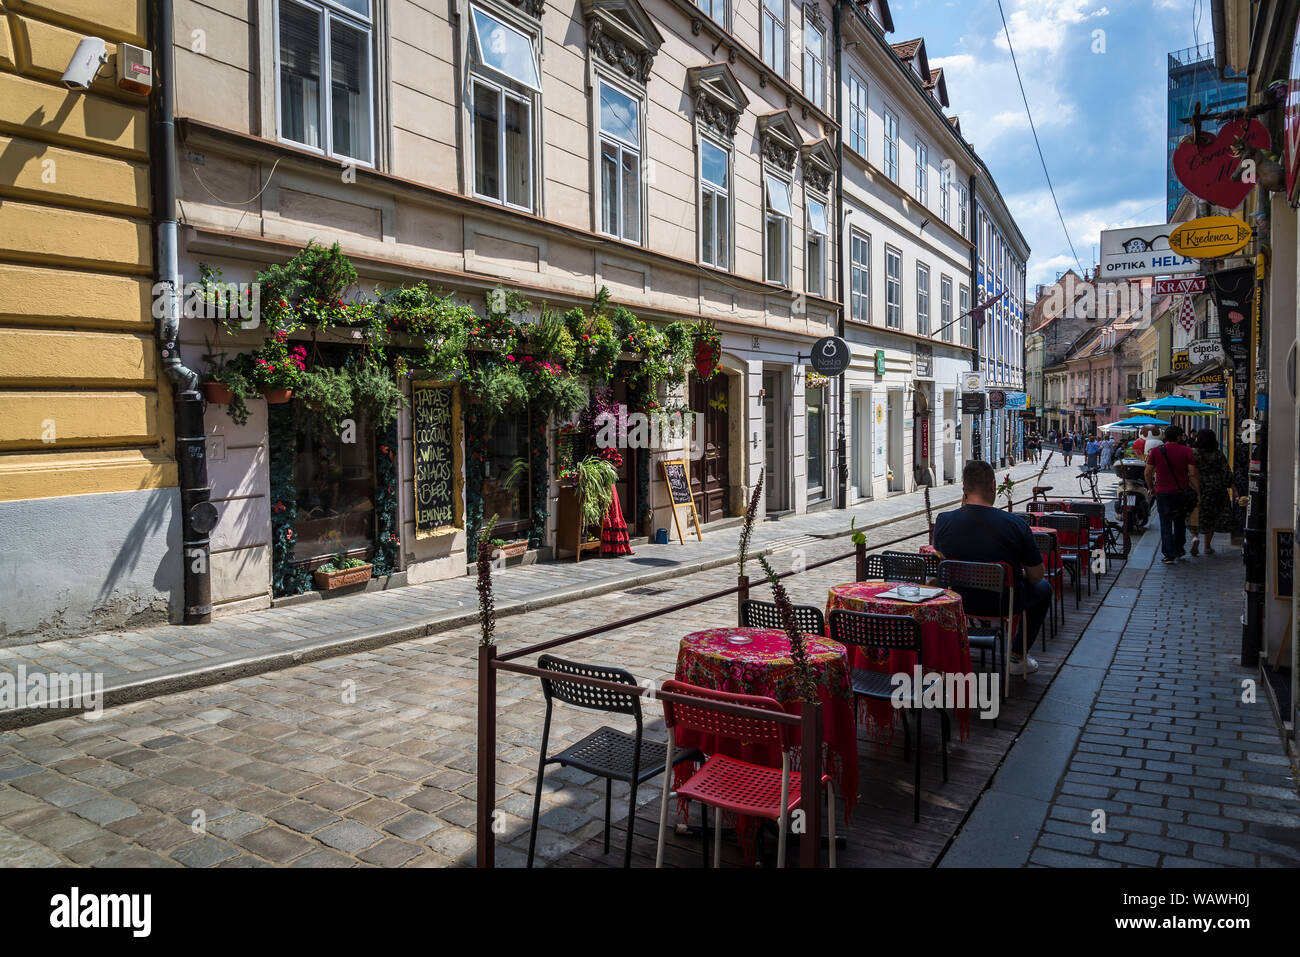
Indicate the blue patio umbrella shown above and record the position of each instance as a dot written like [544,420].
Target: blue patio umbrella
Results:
[1136,422]
[1176,405]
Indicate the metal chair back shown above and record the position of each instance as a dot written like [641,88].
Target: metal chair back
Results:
[706,720]
[896,567]
[930,559]
[766,614]
[588,696]
[876,632]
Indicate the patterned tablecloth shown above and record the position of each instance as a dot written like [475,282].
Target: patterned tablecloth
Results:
[763,666]
[945,647]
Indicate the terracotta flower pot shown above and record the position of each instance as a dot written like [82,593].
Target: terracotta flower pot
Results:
[277,396]
[217,393]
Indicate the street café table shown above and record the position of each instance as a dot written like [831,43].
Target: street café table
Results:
[762,665]
[945,647]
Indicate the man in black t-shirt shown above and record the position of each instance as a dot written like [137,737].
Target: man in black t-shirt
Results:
[981,532]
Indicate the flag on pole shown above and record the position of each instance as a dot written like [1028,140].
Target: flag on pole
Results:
[1187,315]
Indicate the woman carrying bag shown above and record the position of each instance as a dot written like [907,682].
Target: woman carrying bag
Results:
[1216,484]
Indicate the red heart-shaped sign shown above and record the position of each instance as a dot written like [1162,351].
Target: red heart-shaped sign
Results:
[1206,167]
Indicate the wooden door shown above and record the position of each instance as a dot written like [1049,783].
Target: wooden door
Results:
[710,474]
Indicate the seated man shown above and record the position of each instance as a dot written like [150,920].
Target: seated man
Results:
[981,532]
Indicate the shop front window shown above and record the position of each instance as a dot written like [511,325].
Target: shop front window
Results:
[335,483]
[507,476]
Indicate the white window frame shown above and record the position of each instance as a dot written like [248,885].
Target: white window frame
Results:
[768,49]
[327,11]
[773,218]
[704,185]
[821,238]
[945,306]
[814,64]
[945,192]
[893,288]
[503,93]
[922,299]
[922,173]
[963,208]
[890,123]
[858,112]
[621,146]
[963,306]
[860,291]
[507,88]
[709,6]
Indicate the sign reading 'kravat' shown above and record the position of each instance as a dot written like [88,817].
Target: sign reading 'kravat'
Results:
[1211,237]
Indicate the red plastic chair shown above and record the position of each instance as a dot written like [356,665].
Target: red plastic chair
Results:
[730,784]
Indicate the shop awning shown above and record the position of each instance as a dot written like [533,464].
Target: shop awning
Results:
[1167,383]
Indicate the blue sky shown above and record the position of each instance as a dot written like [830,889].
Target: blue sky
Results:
[1100,115]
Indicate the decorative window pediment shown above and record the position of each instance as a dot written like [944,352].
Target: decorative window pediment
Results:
[779,139]
[718,96]
[818,164]
[532,7]
[620,33]
[812,12]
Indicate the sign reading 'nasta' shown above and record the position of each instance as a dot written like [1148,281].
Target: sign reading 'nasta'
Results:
[1210,237]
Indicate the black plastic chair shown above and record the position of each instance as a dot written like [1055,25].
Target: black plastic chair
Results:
[1096,536]
[930,558]
[989,633]
[1046,542]
[896,567]
[765,614]
[889,633]
[607,752]
[1076,558]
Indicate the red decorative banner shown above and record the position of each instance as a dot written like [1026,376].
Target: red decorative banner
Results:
[1205,167]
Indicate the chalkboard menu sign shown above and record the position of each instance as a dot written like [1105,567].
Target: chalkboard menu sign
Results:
[436,443]
[678,480]
[1283,563]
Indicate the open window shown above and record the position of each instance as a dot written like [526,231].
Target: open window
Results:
[505,84]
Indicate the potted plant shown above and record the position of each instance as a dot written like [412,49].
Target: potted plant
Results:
[708,350]
[230,383]
[594,478]
[341,571]
[508,549]
[276,368]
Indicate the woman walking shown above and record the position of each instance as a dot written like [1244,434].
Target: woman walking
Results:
[1216,481]
[1107,453]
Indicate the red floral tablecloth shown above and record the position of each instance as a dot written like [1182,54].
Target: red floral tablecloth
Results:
[945,647]
[763,666]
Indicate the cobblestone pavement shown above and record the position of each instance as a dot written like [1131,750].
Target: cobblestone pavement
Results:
[1186,772]
[173,657]
[366,758]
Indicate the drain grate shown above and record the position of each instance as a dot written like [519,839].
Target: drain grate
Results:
[647,590]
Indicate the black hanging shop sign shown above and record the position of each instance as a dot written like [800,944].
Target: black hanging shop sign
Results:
[1234,297]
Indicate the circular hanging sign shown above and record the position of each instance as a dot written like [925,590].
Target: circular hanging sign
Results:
[831,356]
[1210,237]
[997,399]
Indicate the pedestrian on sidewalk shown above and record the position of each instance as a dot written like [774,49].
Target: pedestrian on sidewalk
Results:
[1171,474]
[1067,447]
[1216,482]
[979,531]
[1108,453]
[1092,451]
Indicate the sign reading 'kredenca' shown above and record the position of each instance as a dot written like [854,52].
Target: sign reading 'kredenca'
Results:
[435,412]
[1141,251]
[1210,237]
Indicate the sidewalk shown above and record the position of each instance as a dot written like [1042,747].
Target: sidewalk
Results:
[1143,751]
[153,661]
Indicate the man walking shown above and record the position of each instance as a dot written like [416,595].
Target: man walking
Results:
[1067,447]
[1170,471]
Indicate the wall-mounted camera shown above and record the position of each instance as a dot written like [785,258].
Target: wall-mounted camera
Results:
[92,53]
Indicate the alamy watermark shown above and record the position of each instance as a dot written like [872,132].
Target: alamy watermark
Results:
[210,299]
[976,691]
[82,691]
[651,430]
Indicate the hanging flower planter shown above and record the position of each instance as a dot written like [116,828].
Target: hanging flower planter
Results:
[217,393]
[708,350]
[277,396]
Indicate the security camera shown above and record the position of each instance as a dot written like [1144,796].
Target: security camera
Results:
[92,53]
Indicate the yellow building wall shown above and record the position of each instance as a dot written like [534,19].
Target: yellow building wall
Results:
[84,407]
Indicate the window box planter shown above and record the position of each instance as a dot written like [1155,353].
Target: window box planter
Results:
[217,393]
[328,581]
[513,549]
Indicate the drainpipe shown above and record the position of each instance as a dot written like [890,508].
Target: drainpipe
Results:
[198,514]
[976,438]
[842,447]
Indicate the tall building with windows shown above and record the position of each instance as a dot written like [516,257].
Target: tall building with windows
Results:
[679,155]
[1194,78]
[908,241]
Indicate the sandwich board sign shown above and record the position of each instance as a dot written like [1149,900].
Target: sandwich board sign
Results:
[678,480]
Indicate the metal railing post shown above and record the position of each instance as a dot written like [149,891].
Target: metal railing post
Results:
[742,596]
[860,554]
[487,755]
[810,737]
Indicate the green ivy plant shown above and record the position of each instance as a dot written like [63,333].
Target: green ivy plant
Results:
[595,480]
[326,397]
[375,393]
[234,374]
